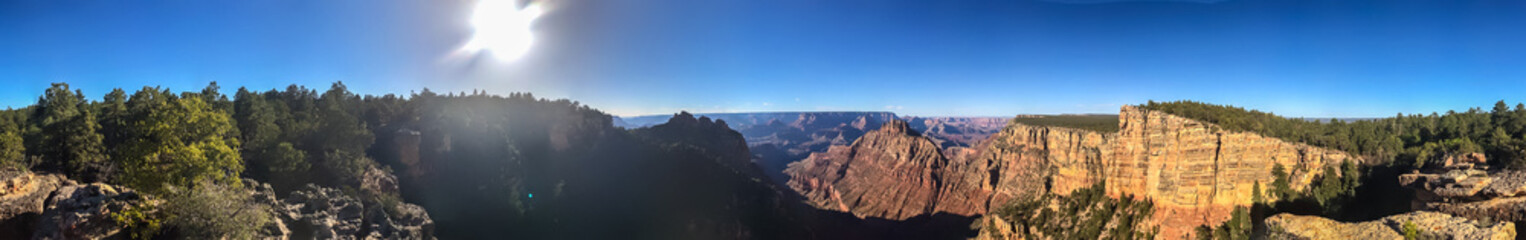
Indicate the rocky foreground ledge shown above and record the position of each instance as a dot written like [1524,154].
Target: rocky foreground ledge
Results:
[1423,224]
[49,206]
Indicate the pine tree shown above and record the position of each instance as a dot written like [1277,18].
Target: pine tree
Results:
[1281,188]
[113,118]
[67,139]
[12,151]
[179,142]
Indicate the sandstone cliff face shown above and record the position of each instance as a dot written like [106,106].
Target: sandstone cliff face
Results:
[1196,173]
[1430,225]
[889,173]
[1023,160]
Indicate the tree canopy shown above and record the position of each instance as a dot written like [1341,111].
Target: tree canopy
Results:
[1407,140]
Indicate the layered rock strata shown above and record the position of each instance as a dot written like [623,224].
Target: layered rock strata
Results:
[888,173]
[1196,173]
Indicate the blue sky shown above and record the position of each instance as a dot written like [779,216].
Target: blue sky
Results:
[1335,58]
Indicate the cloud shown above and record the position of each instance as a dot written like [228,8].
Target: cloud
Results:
[768,104]
[894,107]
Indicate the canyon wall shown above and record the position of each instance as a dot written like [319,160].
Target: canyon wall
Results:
[888,173]
[1195,172]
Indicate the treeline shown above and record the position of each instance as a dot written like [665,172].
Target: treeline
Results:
[1094,122]
[153,140]
[156,138]
[156,141]
[483,165]
[177,145]
[1412,141]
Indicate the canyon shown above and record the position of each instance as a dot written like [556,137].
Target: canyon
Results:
[777,139]
[1195,173]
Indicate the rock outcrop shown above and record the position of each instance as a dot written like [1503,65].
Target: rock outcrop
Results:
[1195,172]
[52,207]
[84,211]
[993,227]
[1498,195]
[23,196]
[326,213]
[49,206]
[1426,225]
[889,173]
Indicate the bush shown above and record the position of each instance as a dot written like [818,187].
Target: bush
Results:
[212,211]
[1411,231]
[140,222]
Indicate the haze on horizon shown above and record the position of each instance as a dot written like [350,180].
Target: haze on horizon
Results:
[926,58]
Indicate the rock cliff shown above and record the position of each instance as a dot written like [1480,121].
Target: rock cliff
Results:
[1195,172]
[889,173]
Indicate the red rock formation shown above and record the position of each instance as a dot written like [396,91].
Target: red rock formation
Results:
[889,173]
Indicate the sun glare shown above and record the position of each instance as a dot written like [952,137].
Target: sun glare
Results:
[502,28]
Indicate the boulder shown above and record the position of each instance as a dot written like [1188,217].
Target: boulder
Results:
[1476,194]
[85,211]
[23,197]
[327,213]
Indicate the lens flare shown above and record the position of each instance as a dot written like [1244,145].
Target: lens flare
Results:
[502,28]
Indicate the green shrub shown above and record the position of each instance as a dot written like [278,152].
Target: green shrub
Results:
[1410,230]
[140,222]
[212,211]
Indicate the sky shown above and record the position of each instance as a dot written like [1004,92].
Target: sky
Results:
[1302,58]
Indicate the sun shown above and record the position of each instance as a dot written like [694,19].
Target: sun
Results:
[502,28]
